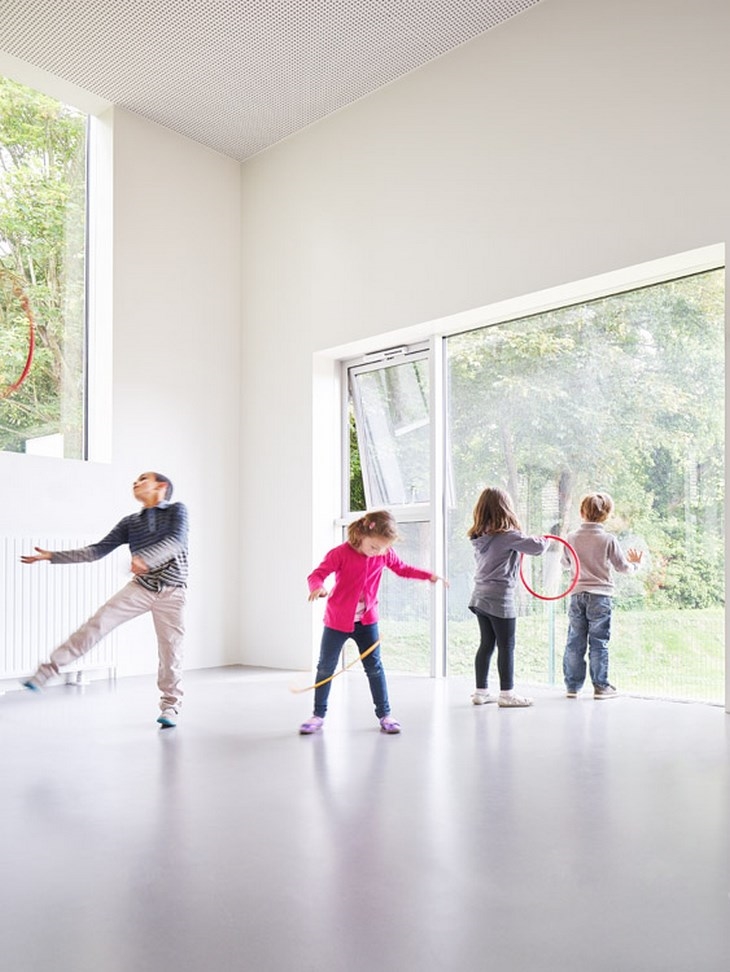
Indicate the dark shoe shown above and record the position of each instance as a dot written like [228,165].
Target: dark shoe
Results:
[571,694]
[604,692]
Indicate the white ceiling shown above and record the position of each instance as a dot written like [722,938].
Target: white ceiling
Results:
[239,75]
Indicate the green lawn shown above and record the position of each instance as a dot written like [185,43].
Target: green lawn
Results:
[667,654]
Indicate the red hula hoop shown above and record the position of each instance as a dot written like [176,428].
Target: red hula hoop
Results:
[576,574]
[25,304]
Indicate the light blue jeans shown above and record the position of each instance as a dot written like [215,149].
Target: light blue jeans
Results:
[589,626]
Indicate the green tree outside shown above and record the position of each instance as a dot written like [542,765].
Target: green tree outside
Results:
[42,243]
[623,394]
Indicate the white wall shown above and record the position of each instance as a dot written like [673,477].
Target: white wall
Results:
[576,139]
[176,348]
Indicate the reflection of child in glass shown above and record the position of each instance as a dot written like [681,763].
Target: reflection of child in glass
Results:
[352,608]
[498,541]
[589,613]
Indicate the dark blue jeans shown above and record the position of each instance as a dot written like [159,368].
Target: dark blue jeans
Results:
[330,649]
[589,626]
[499,632]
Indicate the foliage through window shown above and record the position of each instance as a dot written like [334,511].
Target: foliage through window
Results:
[42,273]
[626,395]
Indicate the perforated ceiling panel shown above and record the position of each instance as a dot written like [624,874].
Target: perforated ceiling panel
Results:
[239,76]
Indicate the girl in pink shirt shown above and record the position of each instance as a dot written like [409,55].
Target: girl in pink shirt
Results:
[352,608]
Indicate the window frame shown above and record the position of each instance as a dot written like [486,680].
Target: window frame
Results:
[98,249]
[433,335]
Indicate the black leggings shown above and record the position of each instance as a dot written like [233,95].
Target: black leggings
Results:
[499,632]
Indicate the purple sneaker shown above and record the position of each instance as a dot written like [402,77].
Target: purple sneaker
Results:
[313,724]
[389,724]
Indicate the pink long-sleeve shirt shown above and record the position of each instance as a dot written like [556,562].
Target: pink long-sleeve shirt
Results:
[357,577]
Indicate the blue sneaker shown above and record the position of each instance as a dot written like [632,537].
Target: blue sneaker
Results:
[29,684]
[167,718]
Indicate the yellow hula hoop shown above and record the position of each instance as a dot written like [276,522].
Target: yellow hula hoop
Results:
[324,681]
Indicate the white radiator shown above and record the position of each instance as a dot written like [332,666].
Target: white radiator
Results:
[41,604]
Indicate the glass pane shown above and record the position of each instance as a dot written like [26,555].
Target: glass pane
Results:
[624,395]
[42,273]
[391,406]
[356,493]
[405,606]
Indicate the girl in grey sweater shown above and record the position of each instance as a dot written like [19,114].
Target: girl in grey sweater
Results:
[498,541]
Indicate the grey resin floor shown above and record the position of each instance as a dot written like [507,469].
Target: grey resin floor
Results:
[573,835]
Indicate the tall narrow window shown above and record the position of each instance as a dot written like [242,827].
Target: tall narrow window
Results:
[390,467]
[42,273]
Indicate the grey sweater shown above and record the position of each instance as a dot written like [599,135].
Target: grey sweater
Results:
[497,567]
[598,552]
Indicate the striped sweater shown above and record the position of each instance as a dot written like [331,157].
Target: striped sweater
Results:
[157,534]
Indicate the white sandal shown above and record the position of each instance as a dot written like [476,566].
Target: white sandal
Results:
[513,701]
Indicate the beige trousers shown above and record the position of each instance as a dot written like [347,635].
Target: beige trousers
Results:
[166,607]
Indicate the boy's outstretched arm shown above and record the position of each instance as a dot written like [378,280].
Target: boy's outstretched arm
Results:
[40,554]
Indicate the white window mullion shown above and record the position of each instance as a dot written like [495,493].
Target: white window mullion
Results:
[438,508]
